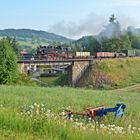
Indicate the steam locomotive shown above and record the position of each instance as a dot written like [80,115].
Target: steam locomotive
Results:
[58,53]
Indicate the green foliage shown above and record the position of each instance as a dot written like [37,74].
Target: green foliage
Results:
[25,80]
[88,43]
[135,42]
[62,80]
[8,63]
[116,44]
[93,45]
[48,81]
[14,44]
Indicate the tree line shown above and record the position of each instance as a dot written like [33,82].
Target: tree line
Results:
[111,39]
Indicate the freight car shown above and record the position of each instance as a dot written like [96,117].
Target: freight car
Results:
[129,53]
[82,55]
[105,55]
[132,52]
[109,55]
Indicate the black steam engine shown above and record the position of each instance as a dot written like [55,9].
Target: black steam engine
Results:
[53,52]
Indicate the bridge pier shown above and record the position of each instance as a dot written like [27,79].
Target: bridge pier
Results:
[76,71]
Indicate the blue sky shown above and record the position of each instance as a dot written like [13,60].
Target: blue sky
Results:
[71,18]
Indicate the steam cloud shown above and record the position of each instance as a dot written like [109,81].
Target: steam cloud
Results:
[91,25]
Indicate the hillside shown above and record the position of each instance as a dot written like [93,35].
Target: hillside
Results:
[31,38]
[113,73]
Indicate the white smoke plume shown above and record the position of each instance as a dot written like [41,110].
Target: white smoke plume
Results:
[90,25]
[93,24]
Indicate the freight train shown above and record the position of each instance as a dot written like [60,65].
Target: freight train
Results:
[58,53]
[61,53]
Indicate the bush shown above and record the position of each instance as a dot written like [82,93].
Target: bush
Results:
[8,63]
[62,80]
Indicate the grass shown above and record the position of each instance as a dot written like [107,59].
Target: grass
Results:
[15,126]
[120,72]
[50,81]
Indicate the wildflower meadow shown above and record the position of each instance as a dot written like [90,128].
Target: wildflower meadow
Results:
[34,113]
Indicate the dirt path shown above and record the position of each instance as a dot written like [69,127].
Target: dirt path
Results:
[130,88]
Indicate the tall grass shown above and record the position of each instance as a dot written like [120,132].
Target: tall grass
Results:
[13,125]
[120,72]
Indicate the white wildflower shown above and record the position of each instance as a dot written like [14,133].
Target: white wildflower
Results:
[112,125]
[35,104]
[37,112]
[48,110]
[109,125]
[71,119]
[76,120]
[119,129]
[28,112]
[129,127]
[134,128]
[112,129]
[32,107]
[89,119]
[102,125]
[42,109]
[79,124]
[72,116]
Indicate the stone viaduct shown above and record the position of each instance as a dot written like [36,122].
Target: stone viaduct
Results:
[75,67]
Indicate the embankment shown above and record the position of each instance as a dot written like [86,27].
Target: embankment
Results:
[112,73]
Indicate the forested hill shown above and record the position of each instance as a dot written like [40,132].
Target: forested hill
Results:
[33,35]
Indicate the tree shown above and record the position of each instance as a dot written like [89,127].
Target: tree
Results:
[136,42]
[93,45]
[112,18]
[14,44]
[8,63]
[116,44]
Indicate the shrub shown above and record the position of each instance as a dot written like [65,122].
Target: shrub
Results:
[62,80]
[8,63]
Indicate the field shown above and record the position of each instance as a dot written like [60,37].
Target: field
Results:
[33,113]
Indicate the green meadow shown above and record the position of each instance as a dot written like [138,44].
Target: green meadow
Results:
[34,113]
